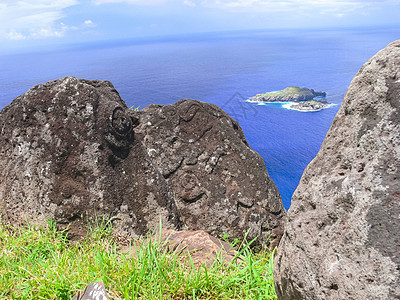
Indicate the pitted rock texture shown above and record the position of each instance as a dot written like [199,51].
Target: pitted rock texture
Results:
[220,184]
[342,237]
[68,151]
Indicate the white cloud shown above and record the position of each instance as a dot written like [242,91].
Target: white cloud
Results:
[137,2]
[33,19]
[189,3]
[13,35]
[338,8]
[89,23]
[28,19]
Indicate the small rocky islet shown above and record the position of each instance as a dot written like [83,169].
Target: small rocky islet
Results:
[301,99]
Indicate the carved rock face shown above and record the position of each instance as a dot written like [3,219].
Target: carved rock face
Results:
[71,148]
[342,238]
[220,185]
[68,149]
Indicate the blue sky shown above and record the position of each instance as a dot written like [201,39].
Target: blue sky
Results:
[29,22]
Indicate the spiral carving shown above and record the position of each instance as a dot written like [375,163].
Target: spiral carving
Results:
[190,190]
[189,181]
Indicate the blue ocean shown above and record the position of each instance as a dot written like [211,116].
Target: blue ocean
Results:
[223,68]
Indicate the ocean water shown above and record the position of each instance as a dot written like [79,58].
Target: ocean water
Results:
[224,69]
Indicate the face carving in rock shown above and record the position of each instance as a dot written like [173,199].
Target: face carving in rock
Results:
[119,133]
[121,122]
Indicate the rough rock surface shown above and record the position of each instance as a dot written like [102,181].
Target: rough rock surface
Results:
[67,149]
[203,248]
[71,148]
[220,184]
[342,237]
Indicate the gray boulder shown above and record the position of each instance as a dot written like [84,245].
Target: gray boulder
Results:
[220,184]
[342,236]
[68,152]
[71,149]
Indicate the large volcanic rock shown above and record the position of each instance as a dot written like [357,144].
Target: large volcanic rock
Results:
[71,148]
[67,150]
[220,184]
[342,238]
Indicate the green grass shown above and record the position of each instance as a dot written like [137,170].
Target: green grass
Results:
[38,263]
[289,91]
